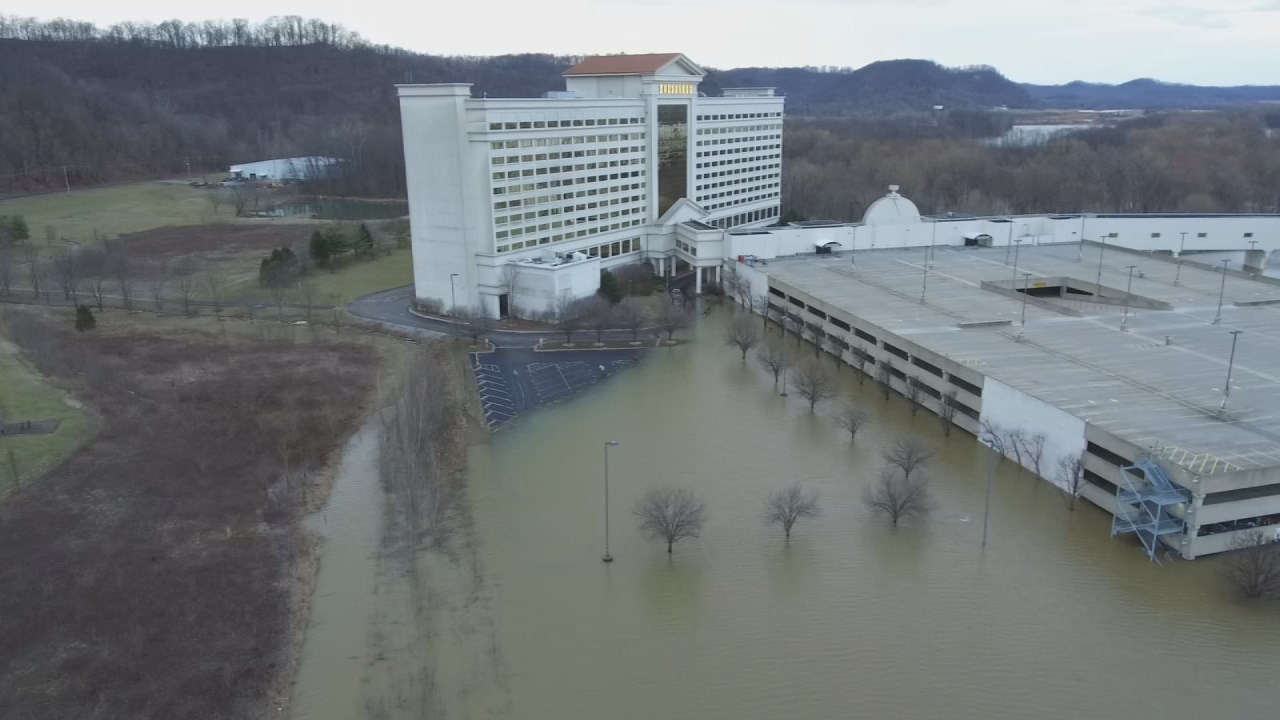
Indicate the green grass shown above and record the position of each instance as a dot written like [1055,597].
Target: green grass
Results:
[115,210]
[24,395]
[351,279]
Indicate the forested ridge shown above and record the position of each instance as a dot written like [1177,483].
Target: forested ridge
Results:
[143,100]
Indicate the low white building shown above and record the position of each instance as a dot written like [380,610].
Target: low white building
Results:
[630,162]
[285,169]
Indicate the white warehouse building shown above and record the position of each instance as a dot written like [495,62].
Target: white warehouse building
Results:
[518,204]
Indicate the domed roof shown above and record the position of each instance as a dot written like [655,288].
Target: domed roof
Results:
[892,209]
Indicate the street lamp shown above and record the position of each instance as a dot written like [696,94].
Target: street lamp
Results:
[933,241]
[1217,319]
[1009,245]
[1226,389]
[1177,274]
[1026,284]
[986,505]
[1017,245]
[608,444]
[1102,251]
[1128,291]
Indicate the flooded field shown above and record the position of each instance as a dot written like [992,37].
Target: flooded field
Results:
[1054,619]
[323,208]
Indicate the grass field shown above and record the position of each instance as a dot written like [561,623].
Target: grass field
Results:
[115,210]
[25,395]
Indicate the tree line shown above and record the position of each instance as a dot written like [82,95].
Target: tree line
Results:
[1176,162]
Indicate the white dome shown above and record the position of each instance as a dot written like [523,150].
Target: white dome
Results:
[892,209]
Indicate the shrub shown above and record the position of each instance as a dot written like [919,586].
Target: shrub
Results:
[84,318]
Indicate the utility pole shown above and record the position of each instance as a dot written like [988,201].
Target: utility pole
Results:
[1226,389]
[1177,274]
[1217,319]
[453,303]
[1124,320]
[187,162]
[1009,245]
[66,180]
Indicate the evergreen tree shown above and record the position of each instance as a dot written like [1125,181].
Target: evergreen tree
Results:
[364,241]
[84,318]
[18,229]
[610,289]
[321,249]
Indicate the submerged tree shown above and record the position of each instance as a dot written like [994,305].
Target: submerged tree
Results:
[852,418]
[1253,565]
[671,515]
[897,496]
[773,356]
[742,334]
[814,382]
[786,506]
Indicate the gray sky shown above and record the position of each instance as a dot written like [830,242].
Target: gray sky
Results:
[1219,42]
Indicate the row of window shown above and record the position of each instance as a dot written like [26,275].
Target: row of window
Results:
[739,150]
[529,187]
[774,195]
[737,129]
[687,247]
[557,197]
[568,140]
[558,169]
[1199,235]
[613,249]
[777,157]
[583,122]
[560,237]
[744,170]
[558,155]
[738,190]
[746,218]
[567,222]
[566,210]
[736,140]
[739,116]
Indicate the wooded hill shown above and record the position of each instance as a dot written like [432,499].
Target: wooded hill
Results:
[140,100]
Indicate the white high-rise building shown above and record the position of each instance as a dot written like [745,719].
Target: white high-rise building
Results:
[517,204]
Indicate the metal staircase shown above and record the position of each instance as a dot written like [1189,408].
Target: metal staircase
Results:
[1143,502]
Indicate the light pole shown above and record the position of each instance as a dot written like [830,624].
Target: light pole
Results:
[1177,274]
[453,302]
[1102,251]
[1009,245]
[1124,320]
[785,313]
[1013,282]
[1226,389]
[608,444]
[1026,290]
[986,505]
[933,241]
[924,282]
[1217,319]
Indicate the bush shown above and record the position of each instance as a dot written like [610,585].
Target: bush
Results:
[84,318]
[280,268]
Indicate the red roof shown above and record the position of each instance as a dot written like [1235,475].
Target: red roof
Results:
[623,64]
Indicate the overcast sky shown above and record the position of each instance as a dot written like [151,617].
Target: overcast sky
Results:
[1219,42]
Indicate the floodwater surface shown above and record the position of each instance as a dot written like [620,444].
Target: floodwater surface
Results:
[852,617]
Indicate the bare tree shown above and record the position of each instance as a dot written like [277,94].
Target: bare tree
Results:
[860,357]
[914,393]
[896,496]
[671,318]
[994,436]
[947,412]
[834,346]
[1034,448]
[31,256]
[240,197]
[773,356]
[476,324]
[1015,442]
[786,506]
[307,293]
[742,334]
[213,283]
[630,315]
[217,199]
[852,418]
[569,316]
[511,273]
[1071,474]
[671,515]
[278,293]
[814,382]
[122,272]
[68,271]
[884,376]
[815,334]
[185,282]
[6,268]
[156,285]
[1253,565]
[908,455]
[760,303]
[599,315]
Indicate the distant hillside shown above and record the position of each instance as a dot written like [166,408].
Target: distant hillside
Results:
[137,99]
[1148,94]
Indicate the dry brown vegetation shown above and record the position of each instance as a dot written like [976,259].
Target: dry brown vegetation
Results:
[192,248]
[155,574]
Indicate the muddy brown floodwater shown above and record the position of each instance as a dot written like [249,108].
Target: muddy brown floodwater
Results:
[851,618]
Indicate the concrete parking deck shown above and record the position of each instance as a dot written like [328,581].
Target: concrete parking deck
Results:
[1136,384]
